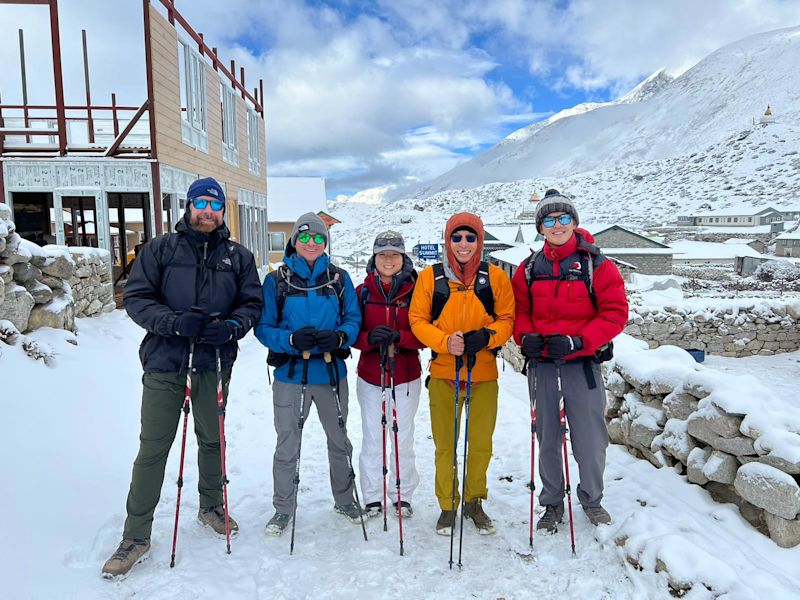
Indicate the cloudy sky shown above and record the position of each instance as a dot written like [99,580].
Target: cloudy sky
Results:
[375,93]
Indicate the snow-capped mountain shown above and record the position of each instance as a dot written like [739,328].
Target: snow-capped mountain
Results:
[661,118]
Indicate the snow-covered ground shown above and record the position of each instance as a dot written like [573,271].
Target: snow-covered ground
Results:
[71,436]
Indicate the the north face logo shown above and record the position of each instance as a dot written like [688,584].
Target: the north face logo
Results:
[226,260]
[213,192]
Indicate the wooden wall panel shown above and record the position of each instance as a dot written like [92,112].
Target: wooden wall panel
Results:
[171,149]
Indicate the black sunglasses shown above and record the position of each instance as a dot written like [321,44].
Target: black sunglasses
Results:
[456,237]
[395,241]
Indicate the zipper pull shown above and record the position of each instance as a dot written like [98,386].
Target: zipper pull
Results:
[205,251]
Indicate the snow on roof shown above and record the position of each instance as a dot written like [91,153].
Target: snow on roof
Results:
[789,235]
[290,197]
[739,241]
[503,233]
[735,211]
[516,254]
[641,250]
[702,250]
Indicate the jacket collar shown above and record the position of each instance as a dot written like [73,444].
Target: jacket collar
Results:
[298,265]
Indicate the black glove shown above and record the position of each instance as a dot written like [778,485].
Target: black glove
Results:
[559,346]
[190,324]
[329,340]
[217,333]
[532,345]
[304,339]
[476,340]
[383,335]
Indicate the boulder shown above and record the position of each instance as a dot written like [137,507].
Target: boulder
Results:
[679,405]
[16,306]
[59,313]
[784,532]
[25,272]
[695,463]
[769,488]
[60,266]
[40,292]
[721,467]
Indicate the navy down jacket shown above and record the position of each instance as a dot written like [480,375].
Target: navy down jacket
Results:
[178,271]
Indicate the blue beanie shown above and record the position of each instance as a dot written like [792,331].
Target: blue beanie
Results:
[207,186]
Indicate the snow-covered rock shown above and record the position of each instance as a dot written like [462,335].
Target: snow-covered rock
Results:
[769,488]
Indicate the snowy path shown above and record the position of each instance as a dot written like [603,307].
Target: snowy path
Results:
[74,436]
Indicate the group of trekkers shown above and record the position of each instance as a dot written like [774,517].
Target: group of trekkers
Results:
[196,293]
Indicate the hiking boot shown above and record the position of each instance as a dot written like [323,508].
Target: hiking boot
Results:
[548,522]
[473,510]
[130,552]
[597,515]
[446,522]
[405,507]
[373,509]
[214,517]
[278,523]
[352,512]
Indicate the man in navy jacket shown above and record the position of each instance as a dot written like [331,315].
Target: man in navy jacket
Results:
[310,306]
[191,289]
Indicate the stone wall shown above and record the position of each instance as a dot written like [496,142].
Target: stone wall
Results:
[725,432]
[738,329]
[49,286]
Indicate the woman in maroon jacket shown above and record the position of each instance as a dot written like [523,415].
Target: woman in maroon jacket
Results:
[384,297]
[570,303]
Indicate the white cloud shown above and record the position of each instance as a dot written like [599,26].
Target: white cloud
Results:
[393,89]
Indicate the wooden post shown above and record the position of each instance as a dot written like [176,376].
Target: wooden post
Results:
[89,121]
[61,117]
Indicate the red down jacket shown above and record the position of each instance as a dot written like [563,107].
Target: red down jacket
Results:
[564,306]
[377,309]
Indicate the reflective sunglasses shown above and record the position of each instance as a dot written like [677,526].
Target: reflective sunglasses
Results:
[394,241]
[305,237]
[564,219]
[201,203]
[456,237]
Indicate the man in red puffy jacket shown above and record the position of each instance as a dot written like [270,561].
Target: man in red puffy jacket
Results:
[384,297]
[570,303]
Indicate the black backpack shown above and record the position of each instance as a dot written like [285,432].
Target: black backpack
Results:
[441,290]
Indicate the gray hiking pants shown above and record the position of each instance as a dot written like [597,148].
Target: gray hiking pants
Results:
[286,401]
[586,424]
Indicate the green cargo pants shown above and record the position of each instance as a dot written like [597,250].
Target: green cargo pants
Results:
[163,395]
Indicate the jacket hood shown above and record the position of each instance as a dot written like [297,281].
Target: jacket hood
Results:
[465,273]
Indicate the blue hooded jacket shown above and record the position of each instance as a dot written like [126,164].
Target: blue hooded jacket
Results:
[314,308]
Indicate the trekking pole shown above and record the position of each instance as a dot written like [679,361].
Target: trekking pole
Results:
[470,363]
[300,423]
[185,409]
[383,429]
[532,484]
[459,364]
[390,351]
[564,430]
[221,414]
[348,445]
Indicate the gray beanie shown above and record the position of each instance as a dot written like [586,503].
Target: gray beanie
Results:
[311,223]
[389,241]
[554,201]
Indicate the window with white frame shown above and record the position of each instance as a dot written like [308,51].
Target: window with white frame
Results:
[230,148]
[253,142]
[277,242]
[194,122]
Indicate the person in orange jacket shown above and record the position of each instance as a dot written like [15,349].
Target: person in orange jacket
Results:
[473,321]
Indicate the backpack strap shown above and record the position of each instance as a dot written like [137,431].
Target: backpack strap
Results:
[483,289]
[441,291]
